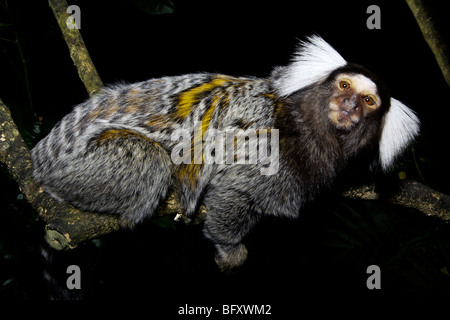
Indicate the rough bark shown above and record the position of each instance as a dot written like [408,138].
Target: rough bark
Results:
[409,193]
[431,35]
[66,225]
[78,51]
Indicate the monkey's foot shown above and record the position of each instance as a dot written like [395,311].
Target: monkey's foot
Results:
[126,223]
[230,257]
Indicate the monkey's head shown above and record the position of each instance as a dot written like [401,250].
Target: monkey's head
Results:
[350,98]
[354,98]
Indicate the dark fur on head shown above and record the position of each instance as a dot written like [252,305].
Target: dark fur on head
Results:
[366,134]
[312,145]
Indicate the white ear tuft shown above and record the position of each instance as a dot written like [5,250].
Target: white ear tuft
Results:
[314,60]
[401,125]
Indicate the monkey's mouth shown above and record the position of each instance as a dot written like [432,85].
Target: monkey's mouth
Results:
[343,119]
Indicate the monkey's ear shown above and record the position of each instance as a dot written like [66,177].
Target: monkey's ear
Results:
[314,60]
[400,127]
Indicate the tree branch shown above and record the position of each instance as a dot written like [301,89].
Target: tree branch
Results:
[410,194]
[78,51]
[431,35]
[66,225]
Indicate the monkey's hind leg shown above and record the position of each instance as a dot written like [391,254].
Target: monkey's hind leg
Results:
[227,223]
[122,172]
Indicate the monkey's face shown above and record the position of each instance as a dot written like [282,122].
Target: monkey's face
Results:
[354,97]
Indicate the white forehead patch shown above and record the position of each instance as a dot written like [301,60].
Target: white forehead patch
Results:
[360,83]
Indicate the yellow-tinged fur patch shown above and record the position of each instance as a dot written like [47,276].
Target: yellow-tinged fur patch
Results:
[188,98]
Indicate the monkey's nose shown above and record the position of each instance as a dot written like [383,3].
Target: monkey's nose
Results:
[349,103]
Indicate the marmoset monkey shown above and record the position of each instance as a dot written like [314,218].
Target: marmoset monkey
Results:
[123,149]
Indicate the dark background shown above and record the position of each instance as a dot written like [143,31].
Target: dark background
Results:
[324,255]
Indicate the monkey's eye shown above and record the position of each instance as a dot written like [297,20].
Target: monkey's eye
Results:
[344,85]
[369,100]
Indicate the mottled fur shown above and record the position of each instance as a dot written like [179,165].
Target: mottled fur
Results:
[111,154]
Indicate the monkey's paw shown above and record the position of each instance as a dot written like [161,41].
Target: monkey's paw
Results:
[126,223]
[229,258]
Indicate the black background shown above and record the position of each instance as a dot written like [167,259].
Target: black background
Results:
[291,263]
